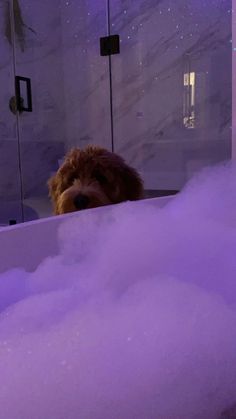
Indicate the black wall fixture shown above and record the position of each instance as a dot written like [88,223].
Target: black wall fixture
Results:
[110,45]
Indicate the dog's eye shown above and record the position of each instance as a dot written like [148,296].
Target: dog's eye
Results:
[100,178]
[72,178]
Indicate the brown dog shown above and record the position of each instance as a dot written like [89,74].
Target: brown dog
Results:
[91,178]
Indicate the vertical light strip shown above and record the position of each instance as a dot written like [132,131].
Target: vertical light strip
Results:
[189,99]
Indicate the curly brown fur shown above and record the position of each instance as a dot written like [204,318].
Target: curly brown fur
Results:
[91,178]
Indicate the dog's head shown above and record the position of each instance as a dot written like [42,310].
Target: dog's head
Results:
[91,178]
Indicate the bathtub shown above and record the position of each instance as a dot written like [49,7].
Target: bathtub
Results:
[115,305]
[26,245]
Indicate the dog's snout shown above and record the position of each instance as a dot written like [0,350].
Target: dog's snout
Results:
[81,201]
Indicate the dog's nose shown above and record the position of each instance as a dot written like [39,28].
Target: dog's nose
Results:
[81,201]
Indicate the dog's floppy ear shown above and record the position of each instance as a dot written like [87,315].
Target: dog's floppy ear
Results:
[130,184]
[59,182]
[55,187]
[54,190]
[133,184]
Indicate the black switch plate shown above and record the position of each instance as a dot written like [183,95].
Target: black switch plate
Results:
[110,45]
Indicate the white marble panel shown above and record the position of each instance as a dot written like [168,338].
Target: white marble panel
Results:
[38,56]
[86,73]
[69,78]
[160,42]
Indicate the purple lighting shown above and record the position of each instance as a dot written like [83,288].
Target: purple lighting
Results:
[134,318]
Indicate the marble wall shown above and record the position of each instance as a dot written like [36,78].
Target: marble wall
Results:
[38,55]
[86,73]
[163,123]
[161,41]
[30,143]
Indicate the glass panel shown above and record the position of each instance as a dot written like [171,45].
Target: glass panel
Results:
[10,186]
[57,47]
[172,87]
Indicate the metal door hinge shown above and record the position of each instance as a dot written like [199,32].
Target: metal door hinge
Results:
[109,45]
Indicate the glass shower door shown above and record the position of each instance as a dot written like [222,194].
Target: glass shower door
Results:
[10,178]
[57,51]
[171,86]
